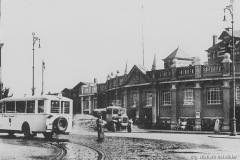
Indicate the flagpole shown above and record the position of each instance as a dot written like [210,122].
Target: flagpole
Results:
[142,36]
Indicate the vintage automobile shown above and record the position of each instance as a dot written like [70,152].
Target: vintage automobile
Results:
[117,119]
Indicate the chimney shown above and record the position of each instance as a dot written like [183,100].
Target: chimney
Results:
[214,40]
[95,80]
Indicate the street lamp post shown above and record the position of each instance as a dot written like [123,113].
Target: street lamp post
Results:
[1,45]
[230,9]
[34,41]
[116,85]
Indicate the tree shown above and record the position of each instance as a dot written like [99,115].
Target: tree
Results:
[5,92]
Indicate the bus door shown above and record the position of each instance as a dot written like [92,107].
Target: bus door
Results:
[8,115]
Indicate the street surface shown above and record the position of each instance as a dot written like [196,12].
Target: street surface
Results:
[82,143]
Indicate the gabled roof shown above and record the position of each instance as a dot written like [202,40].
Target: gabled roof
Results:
[80,84]
[229,33]
[143,70]
[217,46]
[65,89]
[179,54]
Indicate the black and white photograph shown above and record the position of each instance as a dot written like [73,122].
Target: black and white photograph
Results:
[120,80]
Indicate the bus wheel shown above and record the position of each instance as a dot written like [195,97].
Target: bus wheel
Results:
[60,125]
[26,130]
[48,135]
[10,133]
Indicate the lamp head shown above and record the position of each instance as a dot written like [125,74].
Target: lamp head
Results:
[39,44]
[224,18]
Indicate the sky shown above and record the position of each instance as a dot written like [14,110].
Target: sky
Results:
[86,39]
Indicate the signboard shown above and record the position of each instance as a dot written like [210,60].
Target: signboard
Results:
[197,114]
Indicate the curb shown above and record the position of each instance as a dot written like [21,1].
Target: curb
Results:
[181,132]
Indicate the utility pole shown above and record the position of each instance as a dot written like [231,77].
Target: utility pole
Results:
[43,67]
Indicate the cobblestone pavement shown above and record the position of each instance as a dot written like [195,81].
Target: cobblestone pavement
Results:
[227,147]
[222,146]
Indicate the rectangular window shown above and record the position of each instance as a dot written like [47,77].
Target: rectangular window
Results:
[86,90]
[166,97]
[93,89]
[10,107]
[134,99]
[66,107]
[237,95]
[214,96]
[40,106]
[30,106]
[148,98]
[55,106]
[21,107]
[188,97]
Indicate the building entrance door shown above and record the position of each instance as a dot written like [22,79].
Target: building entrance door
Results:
[237,116]
[133,115]
[148,117]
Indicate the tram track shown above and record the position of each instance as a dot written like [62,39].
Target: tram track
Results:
[63,151]
[101,155]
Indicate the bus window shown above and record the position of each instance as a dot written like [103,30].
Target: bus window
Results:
[55,106]
[10,107]
[20,106]
[66,107]
[40,106]
[30,106]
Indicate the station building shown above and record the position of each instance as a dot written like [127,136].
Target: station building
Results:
[185,89]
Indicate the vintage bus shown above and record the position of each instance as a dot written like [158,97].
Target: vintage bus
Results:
[46,114]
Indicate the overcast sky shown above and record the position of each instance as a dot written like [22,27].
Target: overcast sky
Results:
[86,39]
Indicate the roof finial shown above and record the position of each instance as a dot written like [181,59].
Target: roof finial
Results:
[125,71]
[154,63]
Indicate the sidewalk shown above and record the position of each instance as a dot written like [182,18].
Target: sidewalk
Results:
[137,129]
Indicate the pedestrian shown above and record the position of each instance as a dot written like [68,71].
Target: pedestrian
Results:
[216,126]
[100,124]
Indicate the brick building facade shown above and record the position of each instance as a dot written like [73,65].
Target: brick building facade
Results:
[185,89]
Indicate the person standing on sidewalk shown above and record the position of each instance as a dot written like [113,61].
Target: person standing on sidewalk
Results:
[216,126]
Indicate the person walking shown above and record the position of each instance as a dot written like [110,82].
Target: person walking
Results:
[100,124]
